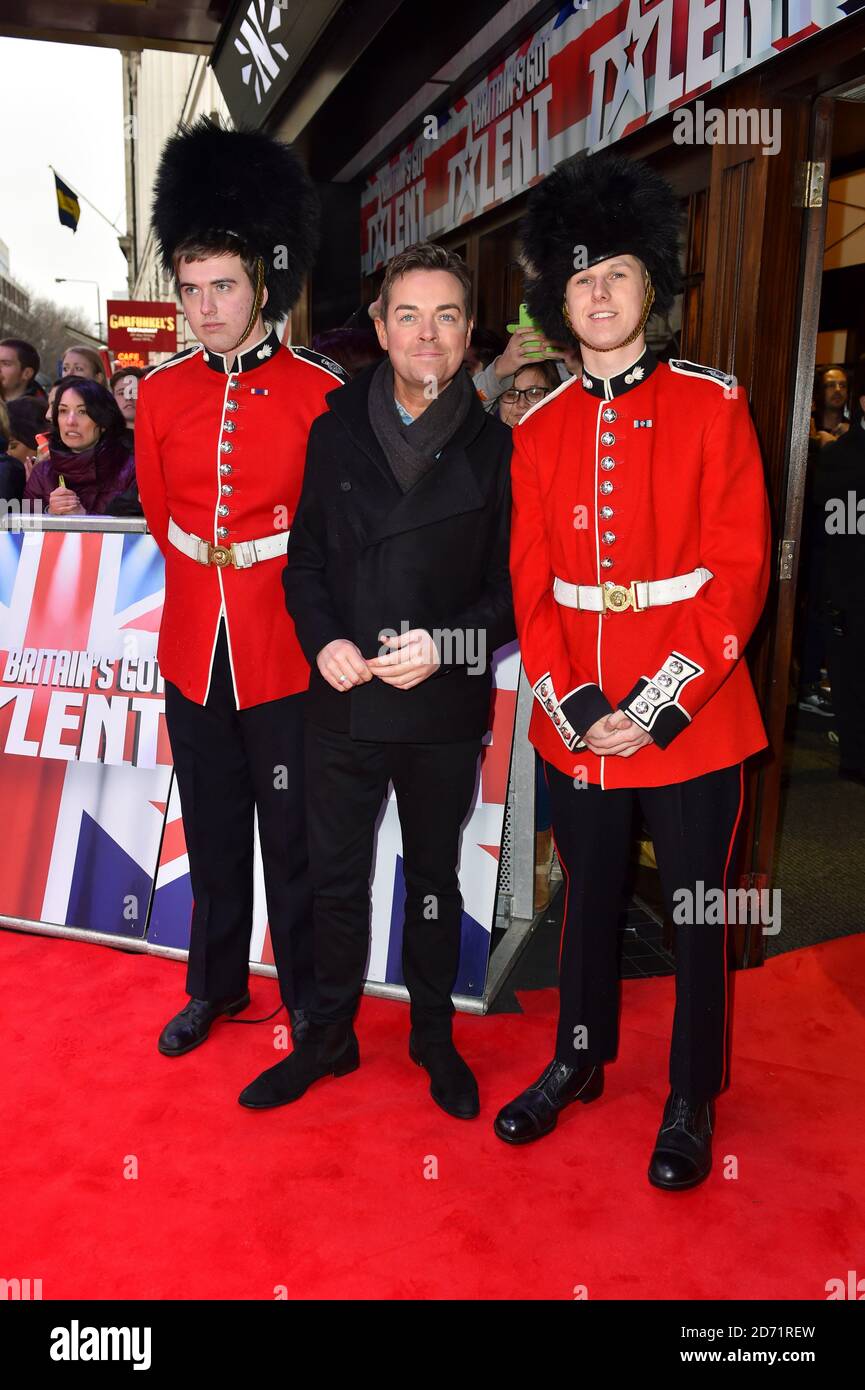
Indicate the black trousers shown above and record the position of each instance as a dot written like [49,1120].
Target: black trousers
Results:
[231,763]
[347,781]
[694,827]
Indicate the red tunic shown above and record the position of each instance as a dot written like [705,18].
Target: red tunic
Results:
[642,476]
[223,453]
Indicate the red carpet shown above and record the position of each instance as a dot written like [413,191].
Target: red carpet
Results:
[328,1197]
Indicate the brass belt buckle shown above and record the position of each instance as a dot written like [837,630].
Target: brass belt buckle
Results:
[619,597]
[219,555]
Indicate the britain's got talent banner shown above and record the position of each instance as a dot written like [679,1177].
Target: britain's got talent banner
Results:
[93,836]
[593,73]
[85,763]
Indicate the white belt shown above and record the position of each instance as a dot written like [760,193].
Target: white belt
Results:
[241,554]
[615,598]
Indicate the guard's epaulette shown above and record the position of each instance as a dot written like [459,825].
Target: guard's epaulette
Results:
[173,361]
[569,381]
[686,368]
[326,364]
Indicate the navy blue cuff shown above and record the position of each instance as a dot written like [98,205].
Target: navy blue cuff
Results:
[584,707]
[663,723]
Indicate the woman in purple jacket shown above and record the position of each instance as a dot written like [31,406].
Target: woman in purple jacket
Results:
[89,464]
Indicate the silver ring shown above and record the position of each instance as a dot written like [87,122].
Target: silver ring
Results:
[342,679]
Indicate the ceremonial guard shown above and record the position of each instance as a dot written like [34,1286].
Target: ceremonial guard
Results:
[640,557]
[220,448]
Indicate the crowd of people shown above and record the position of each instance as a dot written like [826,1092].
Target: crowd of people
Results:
[68,449]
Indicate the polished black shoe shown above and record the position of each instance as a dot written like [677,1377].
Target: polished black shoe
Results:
[683,1148]
[299,1024]
[326,1050]
[452,1084]
[535,1112]
[190,1027]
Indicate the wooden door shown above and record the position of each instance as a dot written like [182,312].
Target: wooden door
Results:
[759,321]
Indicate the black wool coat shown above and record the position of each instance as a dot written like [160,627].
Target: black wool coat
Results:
[364,557]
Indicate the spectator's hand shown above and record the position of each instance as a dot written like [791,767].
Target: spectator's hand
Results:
[64,502]
[517,355]
[412,659]
[342,658]
[29,465]
[616,735]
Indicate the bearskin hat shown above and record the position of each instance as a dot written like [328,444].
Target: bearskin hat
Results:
[610,205]
[214,184]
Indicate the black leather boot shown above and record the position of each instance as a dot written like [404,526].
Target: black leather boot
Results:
[683,1148]
[326,1050]
[190,1027]
[535,1112]
[452,1084]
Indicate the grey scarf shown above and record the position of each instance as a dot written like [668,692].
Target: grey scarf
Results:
[411,449]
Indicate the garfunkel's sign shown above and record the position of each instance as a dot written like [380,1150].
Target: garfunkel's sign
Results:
[137,327]
[589,76]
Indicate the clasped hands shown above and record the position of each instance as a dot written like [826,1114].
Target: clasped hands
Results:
[411,659]
[615,735]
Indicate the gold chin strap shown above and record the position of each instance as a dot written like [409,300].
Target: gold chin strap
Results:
[256,303]
[648,301]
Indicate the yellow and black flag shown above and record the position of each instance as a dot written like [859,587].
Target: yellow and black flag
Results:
[68,206]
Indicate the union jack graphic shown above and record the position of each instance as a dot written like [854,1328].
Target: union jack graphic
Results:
[82,828]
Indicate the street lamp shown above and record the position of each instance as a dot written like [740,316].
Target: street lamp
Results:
[71,280]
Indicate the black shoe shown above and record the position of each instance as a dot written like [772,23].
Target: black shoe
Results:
[299,1024]
[815,700]
[452,1084]
[190,1027]
[535,1112]
[327,1050]
[683,1148]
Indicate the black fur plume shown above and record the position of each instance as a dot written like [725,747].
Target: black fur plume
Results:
[612,206]
[211,181]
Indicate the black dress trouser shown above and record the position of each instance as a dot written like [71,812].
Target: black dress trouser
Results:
[231,763]
[348,780]
[694,827]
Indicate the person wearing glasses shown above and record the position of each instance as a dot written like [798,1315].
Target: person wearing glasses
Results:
[531,384]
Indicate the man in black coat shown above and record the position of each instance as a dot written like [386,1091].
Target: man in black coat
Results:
[397,581]
[840,492]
